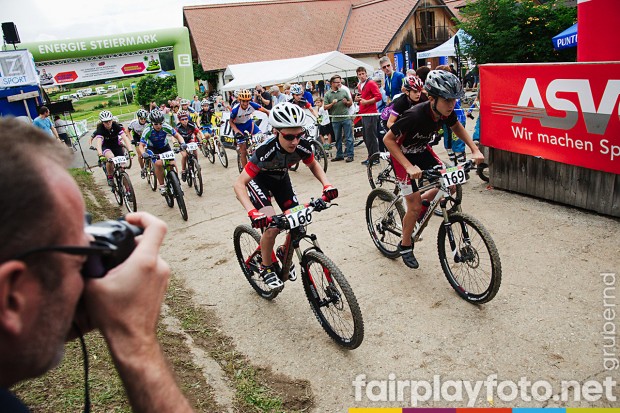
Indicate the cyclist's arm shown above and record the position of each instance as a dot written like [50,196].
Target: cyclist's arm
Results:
[391,120]
[178,137]
[98,141]
[317,171]
[262,109]
[125,137]
[460,131]
[241,191]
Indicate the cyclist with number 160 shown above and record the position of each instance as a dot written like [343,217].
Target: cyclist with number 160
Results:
[266,175]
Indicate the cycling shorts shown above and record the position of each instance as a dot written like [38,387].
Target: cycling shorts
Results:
[116,150]
[135,138]
[264,186]
[423,160]
[249,127]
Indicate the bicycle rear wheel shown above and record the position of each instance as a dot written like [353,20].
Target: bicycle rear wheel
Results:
[332,300]
[474,270]
[381,174]
[221,153]
[246,241]
[384,222]
[319,154]
[129,196]
[178,194]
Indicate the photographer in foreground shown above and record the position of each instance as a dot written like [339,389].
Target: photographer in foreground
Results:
[43,293]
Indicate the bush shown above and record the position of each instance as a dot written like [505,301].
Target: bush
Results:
[99,106]
[160,90]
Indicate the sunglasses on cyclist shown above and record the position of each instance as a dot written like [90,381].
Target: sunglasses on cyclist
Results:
[292,136]
[156,123]
[183,118]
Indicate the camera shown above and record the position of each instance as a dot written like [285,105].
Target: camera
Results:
[114,241]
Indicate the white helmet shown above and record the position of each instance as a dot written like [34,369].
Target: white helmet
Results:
[184,102]
[105,116]
[204,102]
[296,89]
[287,115]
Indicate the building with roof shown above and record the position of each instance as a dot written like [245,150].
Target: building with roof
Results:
[223,34]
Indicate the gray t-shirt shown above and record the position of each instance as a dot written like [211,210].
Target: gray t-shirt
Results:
[339,108]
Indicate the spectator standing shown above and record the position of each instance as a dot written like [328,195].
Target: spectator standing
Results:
[44,122]
[393,80]
[287,91]
[277,96]
[337,103]
[380,106]
[196,105]
[262,97]
[367,99]
[308,93]
[325,127]
[61,128]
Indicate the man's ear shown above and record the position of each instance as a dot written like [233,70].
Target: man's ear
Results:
[16,286]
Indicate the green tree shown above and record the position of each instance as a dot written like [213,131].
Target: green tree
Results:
[508,31]
[150,88]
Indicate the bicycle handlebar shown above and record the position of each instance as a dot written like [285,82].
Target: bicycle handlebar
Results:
[435,172]
[279,221]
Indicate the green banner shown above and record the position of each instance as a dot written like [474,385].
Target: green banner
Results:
[178,38]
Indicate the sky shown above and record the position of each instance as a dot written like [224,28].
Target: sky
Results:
[40,20]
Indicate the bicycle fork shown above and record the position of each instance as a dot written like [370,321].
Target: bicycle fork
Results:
[464,254]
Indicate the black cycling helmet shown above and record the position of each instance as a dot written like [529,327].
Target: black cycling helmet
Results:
[440,83]
[156,116]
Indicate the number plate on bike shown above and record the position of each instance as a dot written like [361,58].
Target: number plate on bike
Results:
[167,155]
[300,215]
[118,160]
[192,146]
[453,176]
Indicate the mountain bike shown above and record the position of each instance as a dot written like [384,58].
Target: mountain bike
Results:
[194,171]
[126,154]
[327,290]
[171,180]
[213,146]
[122,188]
[467,253]
[380,171]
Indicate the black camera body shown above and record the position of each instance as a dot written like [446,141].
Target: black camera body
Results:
[116,239]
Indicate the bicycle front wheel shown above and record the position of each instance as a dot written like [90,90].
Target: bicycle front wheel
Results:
[247,241]
[150,174]
[210,151]
[380,173]
[197,177]
[384,219]
[473,268]
[221,153]
[332,300]
[178,193]
[129,196]
[117,187]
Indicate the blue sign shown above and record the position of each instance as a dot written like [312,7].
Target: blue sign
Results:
[566,39]
[398,62]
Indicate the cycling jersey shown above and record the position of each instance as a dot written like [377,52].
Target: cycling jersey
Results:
[157,139]
[187,132]
[109,136]
[402,103]
[271,159]
[243,116]
[416,128]
[136,129]
[205,117]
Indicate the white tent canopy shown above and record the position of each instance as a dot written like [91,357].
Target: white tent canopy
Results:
[300,69]
[446,49]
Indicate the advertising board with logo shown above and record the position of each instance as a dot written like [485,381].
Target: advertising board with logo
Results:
[99,69]
[17,69]
[565,112]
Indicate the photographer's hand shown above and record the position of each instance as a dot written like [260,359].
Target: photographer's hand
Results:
[125,306]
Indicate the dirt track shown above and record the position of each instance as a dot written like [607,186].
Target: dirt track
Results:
[545,322]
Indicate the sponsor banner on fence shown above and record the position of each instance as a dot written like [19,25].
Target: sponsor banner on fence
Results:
[17,69]
[565,112]
[99,69]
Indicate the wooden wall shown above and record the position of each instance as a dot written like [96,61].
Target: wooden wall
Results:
[568,184]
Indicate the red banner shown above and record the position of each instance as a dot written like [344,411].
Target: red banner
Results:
[566,112]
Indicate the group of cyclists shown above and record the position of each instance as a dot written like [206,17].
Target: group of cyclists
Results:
[414,119]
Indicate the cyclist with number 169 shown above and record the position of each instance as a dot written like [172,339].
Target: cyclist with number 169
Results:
[266,175]
[407,142]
